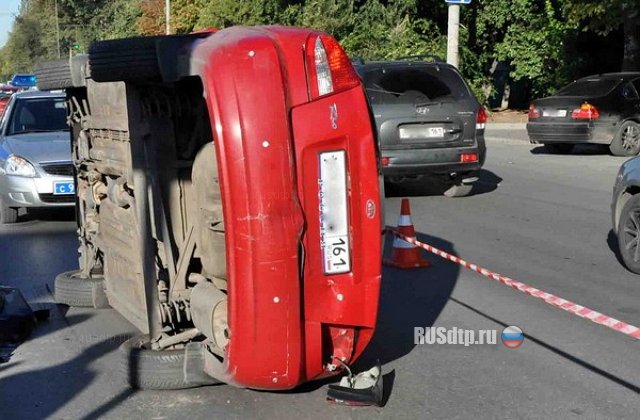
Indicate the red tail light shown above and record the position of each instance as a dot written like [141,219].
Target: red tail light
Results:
[481,118]
[533,112]
[329,69]
[468,157]
[585,112]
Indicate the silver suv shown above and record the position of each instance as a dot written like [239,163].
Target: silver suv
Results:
[429,123]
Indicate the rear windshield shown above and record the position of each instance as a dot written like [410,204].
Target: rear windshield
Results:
[38,115]
[590,87]
[413,85]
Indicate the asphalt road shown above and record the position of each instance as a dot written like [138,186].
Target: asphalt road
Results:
[540,219]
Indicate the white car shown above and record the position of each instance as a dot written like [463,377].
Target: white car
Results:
[35,154]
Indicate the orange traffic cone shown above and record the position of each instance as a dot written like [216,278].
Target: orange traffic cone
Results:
[406,255]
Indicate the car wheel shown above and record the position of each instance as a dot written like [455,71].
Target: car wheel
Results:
[559,148]
[136,58]
[73,290]
[626,142]
[8,214]
[458,190]
[51,75]
[153,369]
[629,234]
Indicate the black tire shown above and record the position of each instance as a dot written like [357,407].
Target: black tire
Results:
[626,142]
[151,369]
[124,59]
[133,59]
[8,214]
[458,190]
[52,75]
[73,290]
[559,148]
[629,234]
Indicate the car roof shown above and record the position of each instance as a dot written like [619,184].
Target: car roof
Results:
[39,94]
[401,63]
[613,76]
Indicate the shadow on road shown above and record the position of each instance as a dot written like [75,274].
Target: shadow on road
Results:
[578,361]
[578,149]
[51,388]
[61,214]
[612,242]
[487,182]
[408,299]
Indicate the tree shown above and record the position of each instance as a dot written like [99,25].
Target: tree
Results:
[605,16]
[531,36]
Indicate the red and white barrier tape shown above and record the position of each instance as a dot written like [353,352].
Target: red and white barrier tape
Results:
[556,301]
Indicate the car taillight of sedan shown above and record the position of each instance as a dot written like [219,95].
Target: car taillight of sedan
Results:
[533,112]
[585,112]
[329,69]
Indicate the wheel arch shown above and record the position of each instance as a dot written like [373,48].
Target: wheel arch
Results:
[623,198]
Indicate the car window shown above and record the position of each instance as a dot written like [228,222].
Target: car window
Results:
[38,115]
[636,84]
[591,87]
[5,116]
[413,84]
[629,91]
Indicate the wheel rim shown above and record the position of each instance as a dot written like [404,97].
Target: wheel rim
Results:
[630,137]
[631,235]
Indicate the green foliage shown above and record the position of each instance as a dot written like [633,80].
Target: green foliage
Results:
[534,37]
[224,13]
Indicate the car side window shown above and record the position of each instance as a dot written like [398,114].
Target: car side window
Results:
[5,116]
[629,91]
[636,84]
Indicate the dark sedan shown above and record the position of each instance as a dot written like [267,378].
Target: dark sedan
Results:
[601,109]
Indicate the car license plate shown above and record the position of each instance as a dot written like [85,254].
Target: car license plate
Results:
[413,133]
[334,221]
[64,188]
[561,113]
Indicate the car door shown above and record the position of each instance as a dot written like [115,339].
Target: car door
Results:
[4,122]
[633,104]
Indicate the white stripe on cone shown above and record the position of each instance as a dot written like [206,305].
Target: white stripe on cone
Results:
[404,220]
[401,243]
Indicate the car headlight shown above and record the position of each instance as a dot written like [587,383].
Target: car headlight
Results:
[15,165]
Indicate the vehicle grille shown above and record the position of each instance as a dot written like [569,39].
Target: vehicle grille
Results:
[63,169]
[55,199]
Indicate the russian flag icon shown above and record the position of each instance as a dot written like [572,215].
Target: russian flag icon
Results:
[512,337]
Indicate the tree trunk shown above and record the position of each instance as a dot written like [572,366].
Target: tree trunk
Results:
[631,24]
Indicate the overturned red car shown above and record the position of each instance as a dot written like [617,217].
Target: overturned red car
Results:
[228,203]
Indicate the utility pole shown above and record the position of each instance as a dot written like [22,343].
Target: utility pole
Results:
[453,30]
[167,12]
[58,27]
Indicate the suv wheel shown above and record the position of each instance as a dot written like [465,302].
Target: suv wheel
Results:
[458,190]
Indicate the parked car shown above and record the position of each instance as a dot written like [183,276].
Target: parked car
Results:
[35,154]
[625,213]
[228,204]
[429,123]
[5,95]
[4,100]
[601,109]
